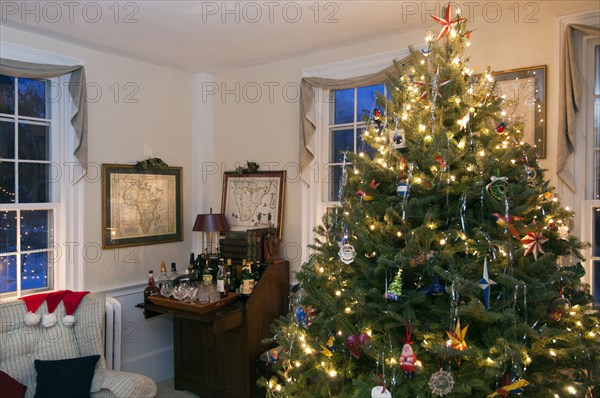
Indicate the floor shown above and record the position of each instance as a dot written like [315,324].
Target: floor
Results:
[166,390]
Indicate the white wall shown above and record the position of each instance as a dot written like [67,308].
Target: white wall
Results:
[257,112]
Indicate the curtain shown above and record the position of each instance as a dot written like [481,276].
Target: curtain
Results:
[307,103]
[569,99]
[77,84]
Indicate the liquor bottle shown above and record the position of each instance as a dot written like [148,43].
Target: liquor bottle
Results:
[190,267]
[174,272]
[232,277]
[207,277]
[151,288]
[247,281]
[221,281]
[163,279]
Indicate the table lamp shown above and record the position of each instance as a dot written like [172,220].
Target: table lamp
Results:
[211,223]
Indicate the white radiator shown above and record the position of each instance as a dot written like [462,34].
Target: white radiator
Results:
[112,334]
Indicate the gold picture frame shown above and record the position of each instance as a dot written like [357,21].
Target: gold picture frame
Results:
[254,200]
[525,91]
[140,206]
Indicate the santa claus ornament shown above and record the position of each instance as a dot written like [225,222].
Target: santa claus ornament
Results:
[408,359]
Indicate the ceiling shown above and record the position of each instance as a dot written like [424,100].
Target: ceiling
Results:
[215,36]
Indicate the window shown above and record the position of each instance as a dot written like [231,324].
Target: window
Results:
[348,113]
[593,194]
[28,198]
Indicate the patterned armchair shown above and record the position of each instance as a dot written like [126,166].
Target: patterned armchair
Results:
[20,345]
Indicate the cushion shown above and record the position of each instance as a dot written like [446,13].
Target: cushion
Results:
[65,378]
[11,387]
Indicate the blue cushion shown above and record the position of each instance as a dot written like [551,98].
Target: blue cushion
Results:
[65,378]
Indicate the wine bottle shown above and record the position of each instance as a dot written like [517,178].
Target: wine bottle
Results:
[232,276]
[247,280]
[174,273]
[190,267]
[207,276]
[163,279]
[151,288]
[221,281]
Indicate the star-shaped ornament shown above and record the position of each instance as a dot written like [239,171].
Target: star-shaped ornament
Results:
[447,23]
[457,337]
[533,242]
[486,284]
[429,88]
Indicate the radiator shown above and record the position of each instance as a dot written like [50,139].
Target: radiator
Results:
[112,334]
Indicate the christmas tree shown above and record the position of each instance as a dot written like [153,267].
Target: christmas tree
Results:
[449,268]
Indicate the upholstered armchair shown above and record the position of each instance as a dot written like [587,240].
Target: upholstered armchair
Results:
[21,345]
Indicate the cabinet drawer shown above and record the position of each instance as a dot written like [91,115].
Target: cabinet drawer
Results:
[228,322]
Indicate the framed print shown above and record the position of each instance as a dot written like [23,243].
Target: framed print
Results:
[254,200]
[140,206]
[525,91]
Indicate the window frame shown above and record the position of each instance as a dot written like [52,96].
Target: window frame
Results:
[69,185]
[313,206]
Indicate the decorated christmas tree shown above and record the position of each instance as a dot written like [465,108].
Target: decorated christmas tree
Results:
[449,268]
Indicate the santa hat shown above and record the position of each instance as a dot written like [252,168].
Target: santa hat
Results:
[32,303]
[52,301]
[71,300]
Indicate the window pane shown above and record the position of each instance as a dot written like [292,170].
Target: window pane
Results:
[341,141]
[7,140]
[7,94]
[596,276]
[7,182]
[32,98]
[367,101]
[8,231]
[34,142]
[344,106]
[33,183]
[34,270]
[597,175]
[8,274]
[596,234]
[334,181]
[35,229]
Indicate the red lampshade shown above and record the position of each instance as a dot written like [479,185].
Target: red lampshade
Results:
[211,222]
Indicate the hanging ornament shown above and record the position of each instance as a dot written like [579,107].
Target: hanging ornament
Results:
[530,174]
[559,307]
[377,118]
[506,222]
[380,392]
[394,291]
[347,253]
[441,383]
[498,188]
[397,138]
[505,391]
[421,259]
[328,349]
[457,337]
[367,196]
[533,242]
[436,288]
[563,232]
[463,121]
[432,87]
[486,284]
[500,127]
[354,346]
[304,315]
[408,359]
[402,188]
[446,23]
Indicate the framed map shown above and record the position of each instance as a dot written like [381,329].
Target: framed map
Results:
[525,91]
[140,206]
[254,200]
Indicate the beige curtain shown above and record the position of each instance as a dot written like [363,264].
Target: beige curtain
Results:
[569,98]
[77,83]
[307,104]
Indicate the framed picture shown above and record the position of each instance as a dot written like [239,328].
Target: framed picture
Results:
[140,206]
[525,89]
[254,200]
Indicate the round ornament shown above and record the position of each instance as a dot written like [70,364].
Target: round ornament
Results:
[500,127]
[347,253]
[380,392]
[441,383]
[498,188]
[397,139]
[530,173]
